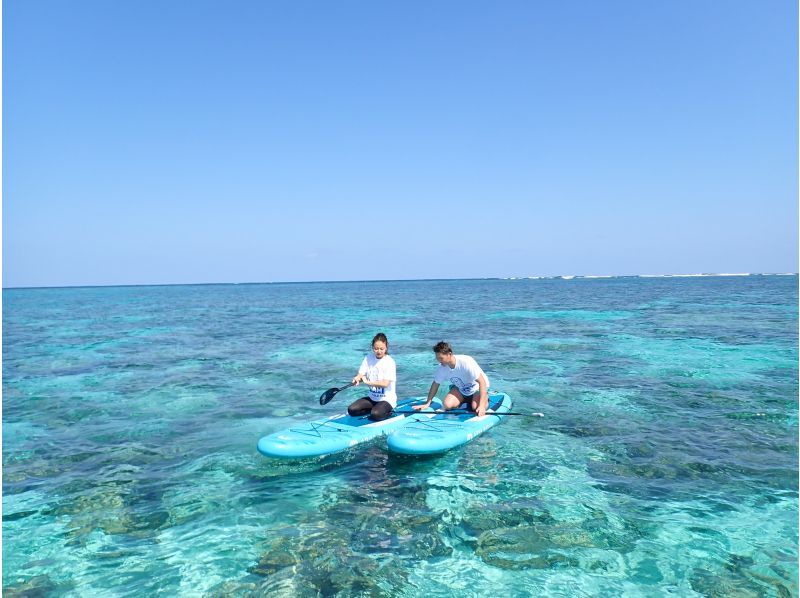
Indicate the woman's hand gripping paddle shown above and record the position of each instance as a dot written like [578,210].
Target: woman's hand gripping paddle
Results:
[326,396]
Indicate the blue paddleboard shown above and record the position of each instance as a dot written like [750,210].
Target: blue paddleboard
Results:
[442,432]
[336,434]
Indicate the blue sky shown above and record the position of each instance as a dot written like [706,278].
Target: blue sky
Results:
[187,141]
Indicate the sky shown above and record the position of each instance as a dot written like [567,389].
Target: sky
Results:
[192,141]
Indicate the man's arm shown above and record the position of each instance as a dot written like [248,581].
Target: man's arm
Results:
[431,393]
[483,400]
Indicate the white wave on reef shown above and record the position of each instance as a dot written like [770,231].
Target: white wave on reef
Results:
[688,275]
[672,275]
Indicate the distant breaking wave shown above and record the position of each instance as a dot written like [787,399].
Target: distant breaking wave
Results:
[698,275]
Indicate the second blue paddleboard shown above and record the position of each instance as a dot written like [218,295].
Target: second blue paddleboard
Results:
[443,432]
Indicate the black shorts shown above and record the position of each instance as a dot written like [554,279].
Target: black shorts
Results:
[377,410]
[466,397]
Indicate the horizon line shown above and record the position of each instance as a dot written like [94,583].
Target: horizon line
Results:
[253,283]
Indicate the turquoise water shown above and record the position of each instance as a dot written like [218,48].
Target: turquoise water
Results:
[666,463]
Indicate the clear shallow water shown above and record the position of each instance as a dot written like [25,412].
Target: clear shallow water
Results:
[666,463]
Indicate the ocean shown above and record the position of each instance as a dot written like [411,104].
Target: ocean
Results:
[666,463]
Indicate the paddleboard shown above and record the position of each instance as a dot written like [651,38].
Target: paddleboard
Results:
[443,432]
[337,433]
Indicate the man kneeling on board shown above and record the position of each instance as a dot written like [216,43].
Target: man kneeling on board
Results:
[468,384]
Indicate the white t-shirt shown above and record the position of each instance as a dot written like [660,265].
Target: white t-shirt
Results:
[380,369]
[464,376]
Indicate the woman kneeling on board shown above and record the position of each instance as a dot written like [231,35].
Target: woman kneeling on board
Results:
[379,372]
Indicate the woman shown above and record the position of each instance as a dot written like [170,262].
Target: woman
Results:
[379,372]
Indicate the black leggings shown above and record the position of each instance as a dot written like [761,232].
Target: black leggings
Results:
[377,410]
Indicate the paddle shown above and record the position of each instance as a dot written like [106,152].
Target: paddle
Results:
[464,411]
[326,396]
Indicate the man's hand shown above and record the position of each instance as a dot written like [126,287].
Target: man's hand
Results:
[419,407]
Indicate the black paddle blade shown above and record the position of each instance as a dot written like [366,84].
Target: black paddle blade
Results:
[326,396]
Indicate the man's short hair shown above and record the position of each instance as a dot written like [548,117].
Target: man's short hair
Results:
[442,347]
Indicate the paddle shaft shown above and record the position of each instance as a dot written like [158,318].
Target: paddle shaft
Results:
[464,412]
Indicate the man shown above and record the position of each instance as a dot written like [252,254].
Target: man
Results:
[468,383]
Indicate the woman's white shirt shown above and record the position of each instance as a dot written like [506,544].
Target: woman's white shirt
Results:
[380,369]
